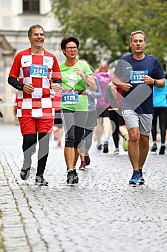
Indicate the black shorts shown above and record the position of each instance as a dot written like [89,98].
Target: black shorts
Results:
[121,120]
[102,112]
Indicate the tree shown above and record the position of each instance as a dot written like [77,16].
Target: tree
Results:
[103,27]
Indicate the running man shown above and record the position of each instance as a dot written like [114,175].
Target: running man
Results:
[136,73]
[32,74]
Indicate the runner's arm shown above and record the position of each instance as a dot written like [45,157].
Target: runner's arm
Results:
[15,83]
[120,84]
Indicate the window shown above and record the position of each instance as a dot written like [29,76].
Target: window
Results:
[31,6]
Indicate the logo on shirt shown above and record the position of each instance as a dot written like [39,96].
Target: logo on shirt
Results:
[26,60]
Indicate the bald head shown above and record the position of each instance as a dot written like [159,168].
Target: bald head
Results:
[103,67]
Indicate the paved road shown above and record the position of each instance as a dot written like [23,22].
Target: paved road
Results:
[101,214]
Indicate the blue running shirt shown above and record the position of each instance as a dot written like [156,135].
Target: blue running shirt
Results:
[129,70]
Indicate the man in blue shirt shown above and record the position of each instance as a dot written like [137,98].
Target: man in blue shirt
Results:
[136,73]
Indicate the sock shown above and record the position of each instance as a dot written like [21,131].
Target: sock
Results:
[70,170]
[106,139]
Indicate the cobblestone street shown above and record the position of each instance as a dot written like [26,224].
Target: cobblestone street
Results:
[102,213]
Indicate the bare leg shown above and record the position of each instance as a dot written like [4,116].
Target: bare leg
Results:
[99,130]
[107,127]
[123,130]
[76,157]
[82,157]
[133,147]
[60,134]
[143,150]
[69,155]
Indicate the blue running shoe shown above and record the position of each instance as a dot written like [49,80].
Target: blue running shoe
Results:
[141,180]
[99,146]
[134,178]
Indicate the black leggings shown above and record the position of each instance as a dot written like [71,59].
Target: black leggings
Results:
[160,112]
[29,144]
[114,117]
[74,124]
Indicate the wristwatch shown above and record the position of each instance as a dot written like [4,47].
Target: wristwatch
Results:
[155,82]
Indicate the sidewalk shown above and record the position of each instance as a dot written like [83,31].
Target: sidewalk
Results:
[103,213]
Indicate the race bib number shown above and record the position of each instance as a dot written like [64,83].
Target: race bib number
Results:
[70,97]
[137,77]
[39,71]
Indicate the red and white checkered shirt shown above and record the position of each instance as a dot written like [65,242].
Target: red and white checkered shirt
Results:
[38,70]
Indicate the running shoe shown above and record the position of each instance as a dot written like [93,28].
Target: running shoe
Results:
[134,178]
[162,150]
[39,180]
[141,180]
[116,151]
[72,177]
[87,160]
[154,148]
[125,142]
[82,166]
[99,146]
[25,173]
[105,147]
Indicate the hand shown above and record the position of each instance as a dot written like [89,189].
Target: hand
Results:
[79,72]
[148,80]
[126,87]
[88,92]
[55,87]
[28,88]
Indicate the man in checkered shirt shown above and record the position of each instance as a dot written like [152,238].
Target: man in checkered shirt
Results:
[32,73]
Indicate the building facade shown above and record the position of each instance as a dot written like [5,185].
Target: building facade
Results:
[16,16]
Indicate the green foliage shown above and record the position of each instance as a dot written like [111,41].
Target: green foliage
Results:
[103,27]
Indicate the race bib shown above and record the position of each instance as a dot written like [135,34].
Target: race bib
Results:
[39,71]
[137,77]
[70,97]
